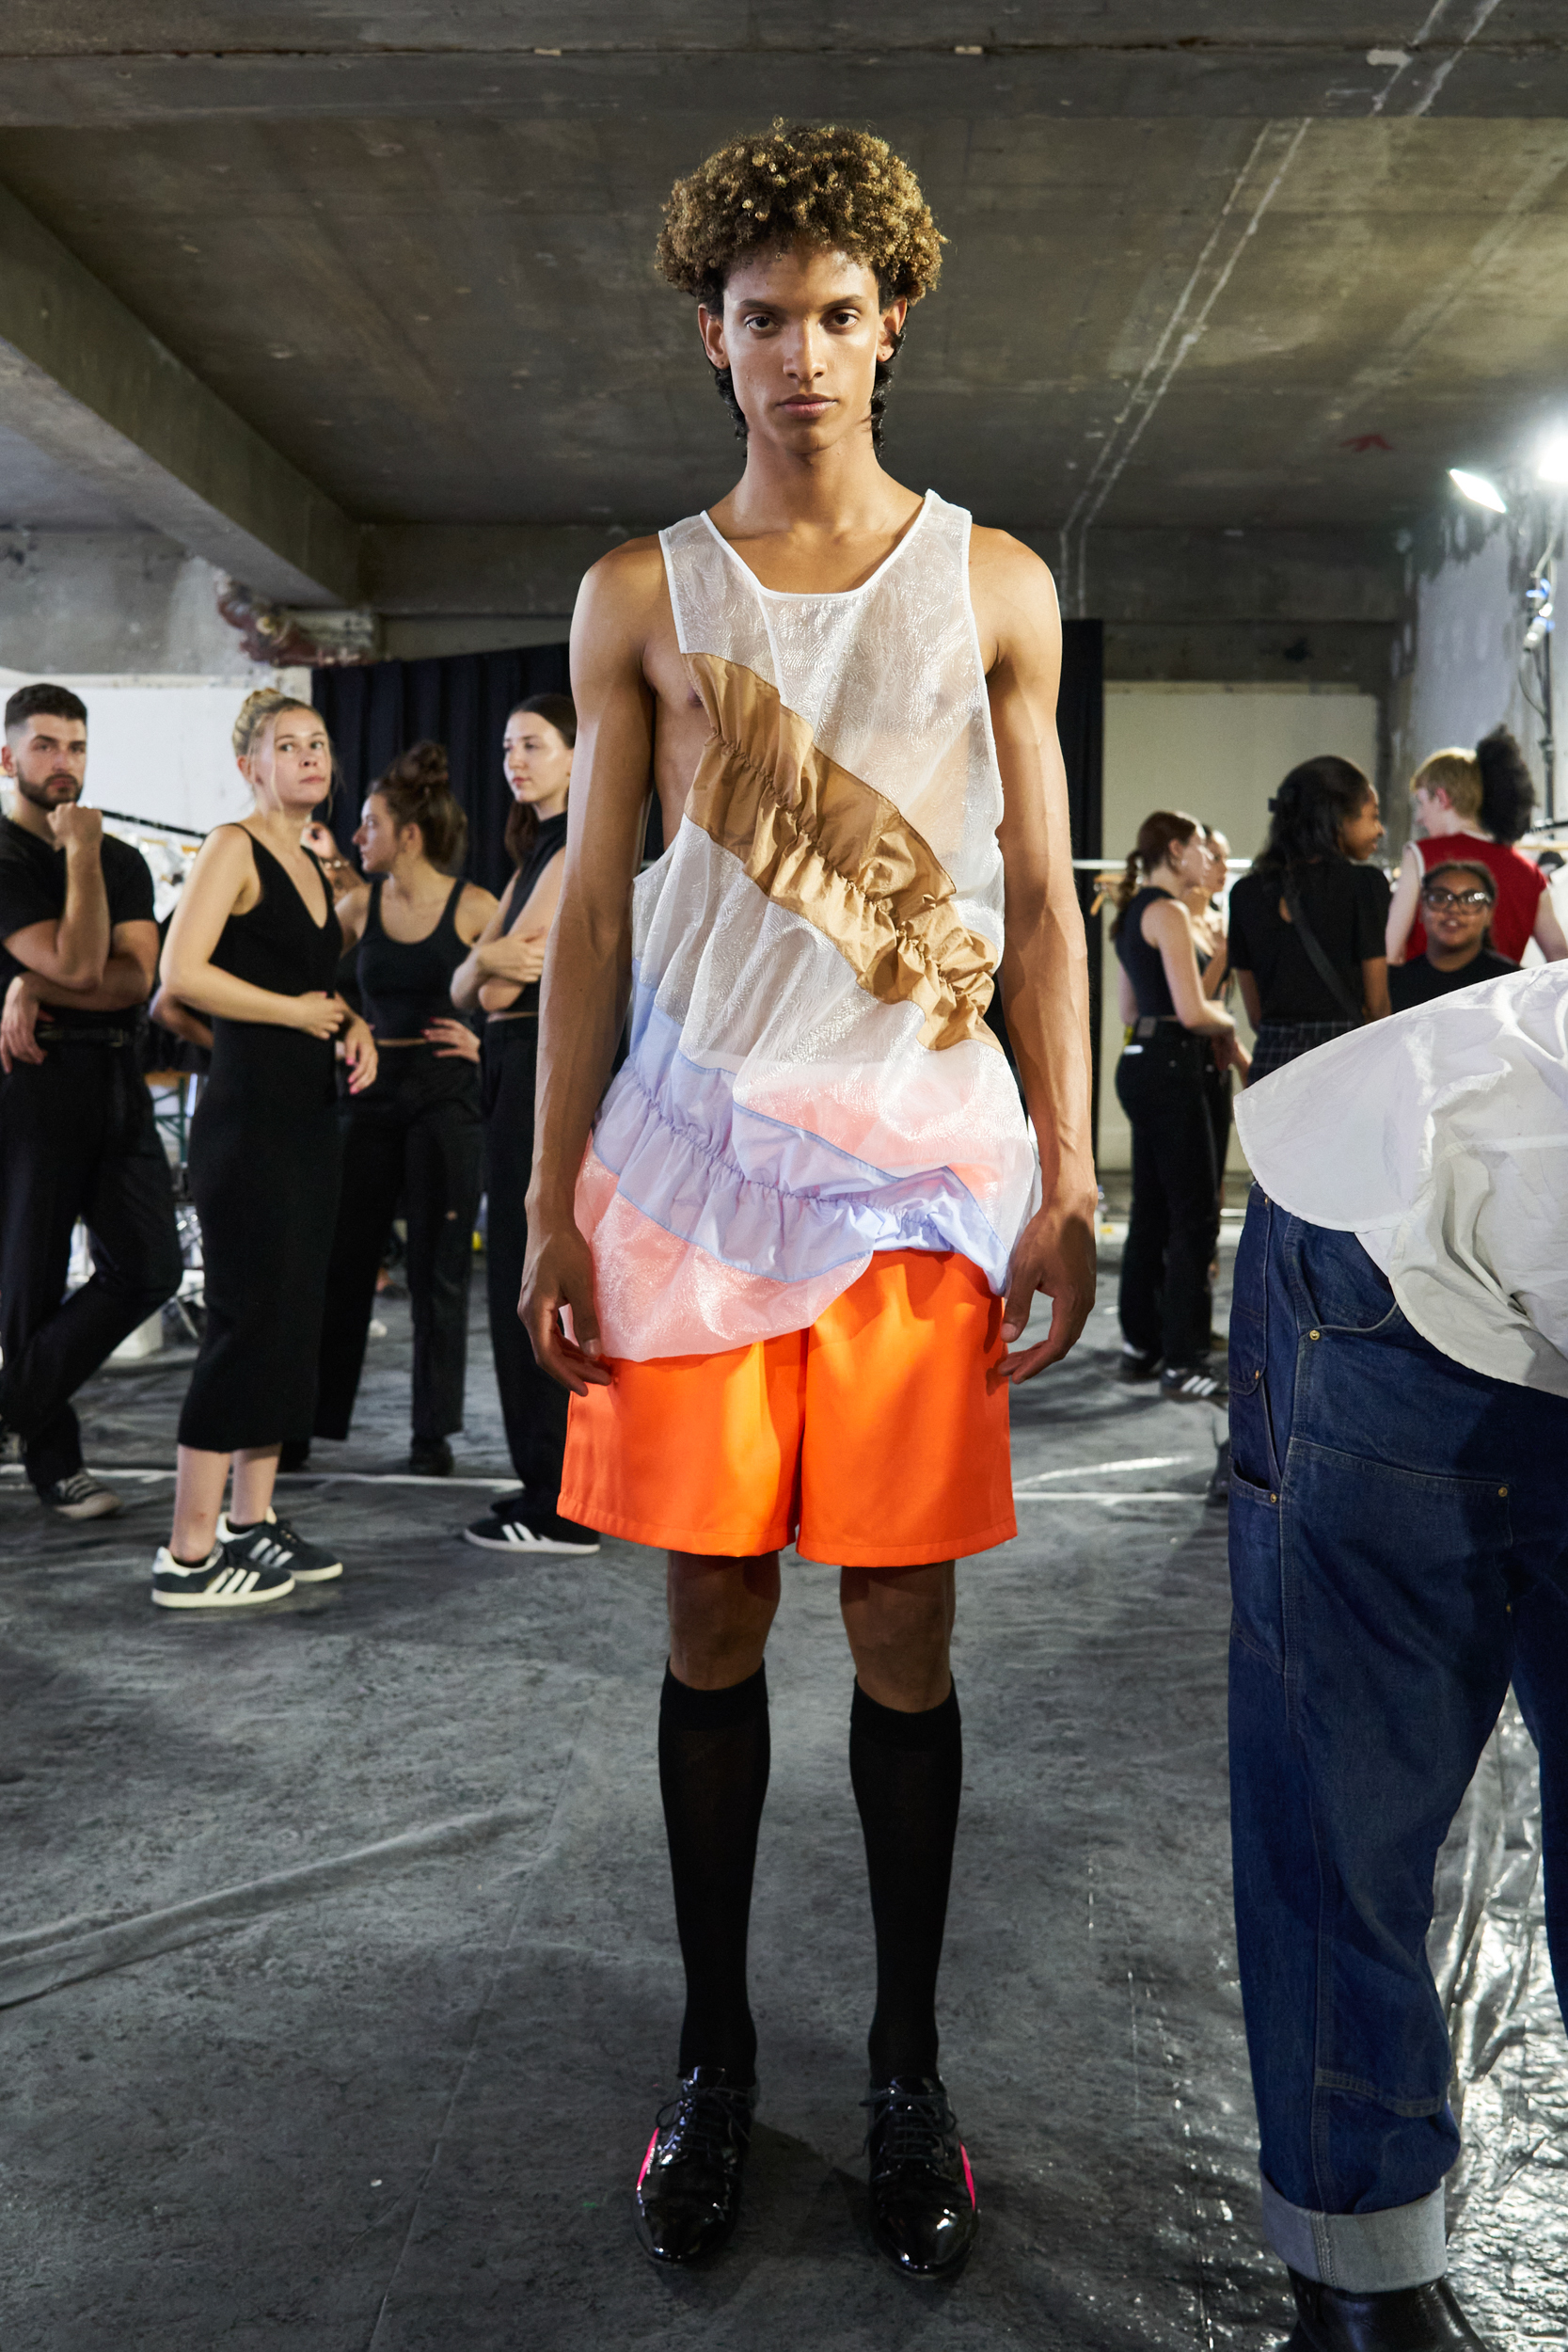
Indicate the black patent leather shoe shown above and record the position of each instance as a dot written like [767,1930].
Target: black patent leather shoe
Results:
[924,2215]
[688,2196]
[1403,2319]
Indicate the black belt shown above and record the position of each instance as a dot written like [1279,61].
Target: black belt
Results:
[1149,1023]
[75,1036]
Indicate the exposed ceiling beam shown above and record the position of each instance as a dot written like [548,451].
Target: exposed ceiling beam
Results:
[85,383]
[876,79]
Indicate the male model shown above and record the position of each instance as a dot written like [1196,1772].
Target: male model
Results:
[78,949]
[1399,1411]
[794,1242]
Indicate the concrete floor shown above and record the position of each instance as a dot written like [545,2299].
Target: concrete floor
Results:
[340,1982]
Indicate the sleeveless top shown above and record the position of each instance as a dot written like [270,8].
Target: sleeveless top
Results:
[547,843]
[1520,880]
[407,982]
[809,1075]
[275,1072]
[1144,966]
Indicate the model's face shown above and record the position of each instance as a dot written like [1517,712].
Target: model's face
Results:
[1216,849]
[46,759]
[1454,908]
[291,767]
[1360,834]
[537,759]
[801,332]
[379,837]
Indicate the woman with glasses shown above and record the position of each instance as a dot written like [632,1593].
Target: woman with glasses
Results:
[1459,899]
[1475,806]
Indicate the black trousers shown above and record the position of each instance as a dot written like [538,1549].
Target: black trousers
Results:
[1165,1301]
[414,1137]
[77,1139]
[532,1406]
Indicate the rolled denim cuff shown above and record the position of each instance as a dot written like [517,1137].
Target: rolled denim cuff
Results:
[1364,2253]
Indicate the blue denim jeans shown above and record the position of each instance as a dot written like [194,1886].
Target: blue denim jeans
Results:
[1395,1518]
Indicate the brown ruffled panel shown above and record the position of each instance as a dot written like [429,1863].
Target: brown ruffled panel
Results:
[820,842]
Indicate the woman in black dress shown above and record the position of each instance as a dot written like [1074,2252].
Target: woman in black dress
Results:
[254,947]
[501,977]
[1307,924]
[415,1135]
[1174,1034]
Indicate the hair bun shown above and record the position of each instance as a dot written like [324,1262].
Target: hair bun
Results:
[1507,786]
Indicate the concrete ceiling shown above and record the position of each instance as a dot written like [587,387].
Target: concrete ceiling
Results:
[1223,267]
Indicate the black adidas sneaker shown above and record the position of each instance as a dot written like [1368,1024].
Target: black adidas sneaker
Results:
[216,1582]
[273,1543]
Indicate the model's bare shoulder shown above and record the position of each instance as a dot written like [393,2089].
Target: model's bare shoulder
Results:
[623,609]
[1014,598]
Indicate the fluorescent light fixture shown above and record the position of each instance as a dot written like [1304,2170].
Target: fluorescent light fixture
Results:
[1552,464]
[1476,487]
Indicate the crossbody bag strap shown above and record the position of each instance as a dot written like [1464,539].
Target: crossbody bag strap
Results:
[1315,955]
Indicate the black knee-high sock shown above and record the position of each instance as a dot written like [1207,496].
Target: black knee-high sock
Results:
[713,1755]
[907,1772]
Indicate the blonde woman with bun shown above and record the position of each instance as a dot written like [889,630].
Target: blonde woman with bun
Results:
[1475,806]
[415,1135]
[254,948]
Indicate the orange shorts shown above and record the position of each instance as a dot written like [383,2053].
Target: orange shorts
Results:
[871,1438]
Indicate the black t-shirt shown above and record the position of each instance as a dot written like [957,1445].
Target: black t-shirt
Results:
[32,890]
[1347,907]
[1417,983]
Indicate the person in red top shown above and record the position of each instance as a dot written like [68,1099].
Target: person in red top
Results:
[1486,796]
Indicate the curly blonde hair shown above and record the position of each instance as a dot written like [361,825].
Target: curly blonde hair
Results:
[841,189]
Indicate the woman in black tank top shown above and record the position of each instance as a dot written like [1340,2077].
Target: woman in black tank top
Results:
[500,979]
[254,947]
[1173,1032]
[414,1137]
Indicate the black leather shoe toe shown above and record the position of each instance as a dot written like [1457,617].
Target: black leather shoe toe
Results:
[924,2215]
[688,2197]
[1405,2319]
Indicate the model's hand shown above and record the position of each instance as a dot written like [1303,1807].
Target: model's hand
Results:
[560,1274]
[359,1049]
[74,826]
[1230,1053]
[1056,1254]
[517,956]
[317,1013]
[454,1040]
[17,1022]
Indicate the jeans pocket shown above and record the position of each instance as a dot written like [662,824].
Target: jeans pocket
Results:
[1257,1591]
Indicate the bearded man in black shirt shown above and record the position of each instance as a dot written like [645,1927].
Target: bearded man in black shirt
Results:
[78,951]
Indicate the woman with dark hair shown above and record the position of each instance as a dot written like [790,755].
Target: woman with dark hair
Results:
[253,948]
[1173,1033]
[1475,806]
[500,979]
[1307,924]
[414,1137]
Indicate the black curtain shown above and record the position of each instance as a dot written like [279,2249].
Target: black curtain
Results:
[462,700]
[1081,725]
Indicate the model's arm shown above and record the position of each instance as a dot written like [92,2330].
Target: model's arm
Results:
[1548,930]
[1044,975]
[1217,970]
[170,1014]
[588,966]
[1374,988]
[507,965]
[72,951]
[1127,1003]
[476,965]
[351,910]
[221,877]
[132,960]
[1405,900]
